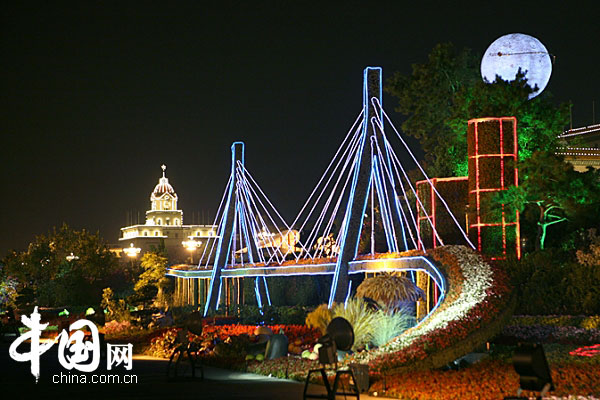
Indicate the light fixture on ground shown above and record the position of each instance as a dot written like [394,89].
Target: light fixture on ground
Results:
[530,363]
[191,246]
[72,257]
[340,336]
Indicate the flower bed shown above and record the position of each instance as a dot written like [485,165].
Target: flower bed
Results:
[566,329]
[477,305]
[577,321]
[550,334]
[285,367]
[224,345]
[489,379]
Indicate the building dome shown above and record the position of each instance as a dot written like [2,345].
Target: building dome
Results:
[163,187]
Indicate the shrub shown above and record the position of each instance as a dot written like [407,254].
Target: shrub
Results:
[389,290]
[550,282]
[116,328]
[294,315]
[163,345]
[319,318]
[592,322]
[115,310]
[8,292]
[390,324]
[293,290]
[360,317]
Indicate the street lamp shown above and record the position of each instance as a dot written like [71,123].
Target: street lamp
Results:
[132,251]
[191,245]
[72,257]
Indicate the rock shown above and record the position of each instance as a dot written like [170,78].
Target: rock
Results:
[263,330]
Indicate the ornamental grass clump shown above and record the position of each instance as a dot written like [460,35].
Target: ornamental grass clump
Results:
[319,318]
[362,319]
[390,324]
[390,290]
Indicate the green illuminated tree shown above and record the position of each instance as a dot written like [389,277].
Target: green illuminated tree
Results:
[153,277]
[65,267]
[554,190]
[442,94]
[427,98]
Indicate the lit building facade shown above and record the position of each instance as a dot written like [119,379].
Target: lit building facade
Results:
[581,147]
[164,225]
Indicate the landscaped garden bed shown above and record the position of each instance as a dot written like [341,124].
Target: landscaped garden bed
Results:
[418,364]
[476,307]
[227,345]
[488,379]
[582,330]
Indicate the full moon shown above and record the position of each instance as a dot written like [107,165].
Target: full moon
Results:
[510,52]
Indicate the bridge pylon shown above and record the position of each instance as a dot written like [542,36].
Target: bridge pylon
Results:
[225,231]
[368,164]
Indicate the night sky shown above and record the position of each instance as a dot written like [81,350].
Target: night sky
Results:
[96,96]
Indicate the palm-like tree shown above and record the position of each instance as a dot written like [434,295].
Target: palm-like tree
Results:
[390,290]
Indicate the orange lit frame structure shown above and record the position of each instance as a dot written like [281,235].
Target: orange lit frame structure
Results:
[493,154]
[433,216]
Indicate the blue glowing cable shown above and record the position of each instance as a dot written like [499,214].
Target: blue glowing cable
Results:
[257,294]
[397,164]
[257,226]
[383,212]
[397,161]
[409,207]
[417,198]
[392,180]
[349,156]
[253,222]
[359,118]
[266,210]
[348,294]
[264,225]
[337,206]
[428,180]
[267,290]
[215,223]
[350,148]
[348,216]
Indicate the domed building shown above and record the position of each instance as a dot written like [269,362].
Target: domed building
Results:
[164,225]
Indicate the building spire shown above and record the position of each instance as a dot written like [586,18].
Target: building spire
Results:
[164,168]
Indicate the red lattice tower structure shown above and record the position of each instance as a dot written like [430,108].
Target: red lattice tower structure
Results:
[493,153]
[432,215]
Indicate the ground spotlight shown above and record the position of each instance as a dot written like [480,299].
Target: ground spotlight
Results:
[530,363]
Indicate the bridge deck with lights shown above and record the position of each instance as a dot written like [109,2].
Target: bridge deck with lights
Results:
[417,263]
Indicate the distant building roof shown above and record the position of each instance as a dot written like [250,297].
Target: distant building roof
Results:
[581,147]
[587,135]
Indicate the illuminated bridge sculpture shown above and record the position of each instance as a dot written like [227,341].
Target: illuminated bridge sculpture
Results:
[362,216]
